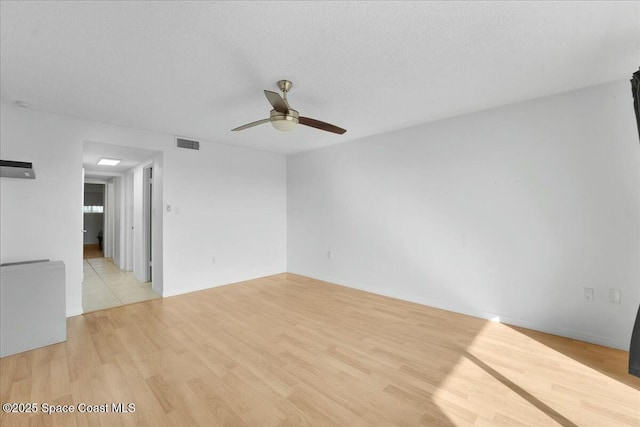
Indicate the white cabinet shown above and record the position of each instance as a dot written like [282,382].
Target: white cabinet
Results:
[32,306]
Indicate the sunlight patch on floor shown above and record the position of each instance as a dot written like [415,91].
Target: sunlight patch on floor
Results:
[523,381]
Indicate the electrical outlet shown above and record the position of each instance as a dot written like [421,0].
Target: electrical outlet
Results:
[213,260]
[588,294]
[329,255]
[615,296]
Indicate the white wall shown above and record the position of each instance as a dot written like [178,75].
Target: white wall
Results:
[118,221]
[231,203]
[109,212]
[508,212]
[227,203]
[139,263]
[42,218]
[128,221]
[139,251]
[157,227]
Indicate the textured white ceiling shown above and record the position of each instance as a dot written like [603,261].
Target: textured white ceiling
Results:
[197,69]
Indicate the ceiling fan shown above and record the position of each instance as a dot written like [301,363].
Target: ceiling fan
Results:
[285,118]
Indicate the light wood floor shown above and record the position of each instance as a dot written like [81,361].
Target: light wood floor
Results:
[288,350]
[92,251]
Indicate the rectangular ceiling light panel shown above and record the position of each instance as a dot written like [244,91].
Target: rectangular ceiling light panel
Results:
[108,162]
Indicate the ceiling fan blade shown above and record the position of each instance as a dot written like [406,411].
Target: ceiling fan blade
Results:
[279,104]
[252,124]
[320,125]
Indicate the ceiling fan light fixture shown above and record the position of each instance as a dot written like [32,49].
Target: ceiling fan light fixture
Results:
[284,123]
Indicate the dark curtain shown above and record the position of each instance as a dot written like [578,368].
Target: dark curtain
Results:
[635,89]
[634,348]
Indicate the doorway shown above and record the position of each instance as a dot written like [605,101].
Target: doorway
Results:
[112,206]
[93,220]
[119,268]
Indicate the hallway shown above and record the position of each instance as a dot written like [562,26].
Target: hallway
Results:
[106,286]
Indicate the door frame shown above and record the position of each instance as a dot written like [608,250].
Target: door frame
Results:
[147,220]
[107,230]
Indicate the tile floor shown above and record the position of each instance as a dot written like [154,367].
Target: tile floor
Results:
[106,286]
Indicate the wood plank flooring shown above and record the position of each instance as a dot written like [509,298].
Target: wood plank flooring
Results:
[288,350]
[91,250]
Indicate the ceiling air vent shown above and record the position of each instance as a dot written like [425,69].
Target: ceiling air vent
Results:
[189,144]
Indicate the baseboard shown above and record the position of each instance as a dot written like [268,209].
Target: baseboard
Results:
[509,320]
[76,311]
[201,287]
[523,323]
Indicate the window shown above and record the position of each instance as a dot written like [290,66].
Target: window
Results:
[93,209]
